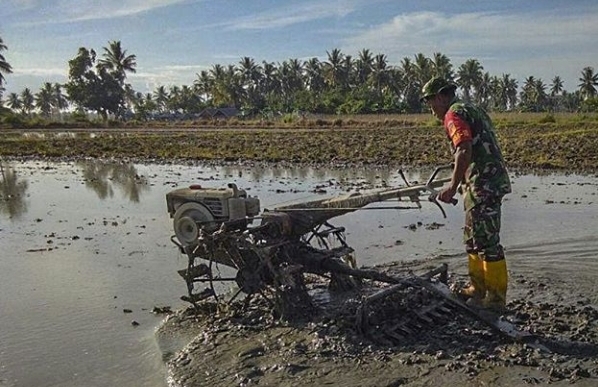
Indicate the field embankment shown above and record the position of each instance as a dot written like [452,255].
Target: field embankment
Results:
[567,141]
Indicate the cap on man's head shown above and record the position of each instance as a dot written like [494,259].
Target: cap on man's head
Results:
[435,86]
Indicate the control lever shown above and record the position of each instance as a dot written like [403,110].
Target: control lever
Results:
[434,199]
[434,193]
[430,187]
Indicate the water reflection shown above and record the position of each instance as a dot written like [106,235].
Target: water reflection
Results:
[102,177]
[304,173]
[12,192]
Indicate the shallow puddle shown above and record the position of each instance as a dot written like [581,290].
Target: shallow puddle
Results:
[86,252]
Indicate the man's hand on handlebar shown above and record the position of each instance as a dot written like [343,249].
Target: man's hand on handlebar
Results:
[446,195]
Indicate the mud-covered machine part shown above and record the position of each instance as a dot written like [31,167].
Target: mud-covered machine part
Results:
[272,251]
[196,208]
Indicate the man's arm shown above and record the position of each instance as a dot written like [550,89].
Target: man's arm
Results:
[462,160]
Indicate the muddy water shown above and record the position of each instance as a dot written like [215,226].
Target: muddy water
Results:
[85,253]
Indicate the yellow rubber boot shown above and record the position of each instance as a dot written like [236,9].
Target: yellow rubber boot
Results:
[477,288]
[496,278]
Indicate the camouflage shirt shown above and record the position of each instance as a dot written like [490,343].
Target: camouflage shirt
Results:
[487,175]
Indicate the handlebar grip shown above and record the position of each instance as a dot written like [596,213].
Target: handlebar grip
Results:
[434,198]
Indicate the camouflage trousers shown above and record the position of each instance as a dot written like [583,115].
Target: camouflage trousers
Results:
[482,227]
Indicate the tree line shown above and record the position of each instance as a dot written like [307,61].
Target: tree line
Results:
[341,84]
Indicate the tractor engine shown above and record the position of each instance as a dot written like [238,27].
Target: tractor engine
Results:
[195,207]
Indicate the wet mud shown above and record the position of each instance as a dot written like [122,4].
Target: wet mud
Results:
[247,346]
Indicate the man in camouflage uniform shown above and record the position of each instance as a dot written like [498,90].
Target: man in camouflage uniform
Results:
[480,173]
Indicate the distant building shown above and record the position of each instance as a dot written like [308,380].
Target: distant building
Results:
[207,113]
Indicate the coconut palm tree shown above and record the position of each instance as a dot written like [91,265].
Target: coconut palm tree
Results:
[270,86]
[250,71]
[27,101]
[217,72]
[442,67]
[271,79]
[363,66]
[228,87]
[116,61]
[526,96]
[233,87]
[14,102]
[314,78]
[315,84]
[5,67]
[556,87]
[484,91]
[334,69]
[555,98]
[44,99]
[60,100]
[588,83]
[144,106]
[379,76]
[291,81]
[494,102]
[469,77]
[510,86]
[204,85]
[174,96]
[348,72]
[149,102]
[411,85]
[540,94]
[505,93]
[189,101]
[251,74]
[395,87]
[220,96]
[423,68]
[160,98]
[533,95]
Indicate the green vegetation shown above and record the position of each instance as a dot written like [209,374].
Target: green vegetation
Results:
[342,84]
[101,89]
[5,67]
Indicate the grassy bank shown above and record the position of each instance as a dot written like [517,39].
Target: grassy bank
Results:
[565,141]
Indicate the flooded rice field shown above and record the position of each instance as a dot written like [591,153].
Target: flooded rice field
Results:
[86,262]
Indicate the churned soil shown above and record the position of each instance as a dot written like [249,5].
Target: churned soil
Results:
[544,146]
[244,347]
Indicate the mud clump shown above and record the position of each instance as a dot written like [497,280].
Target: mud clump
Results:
[394,342]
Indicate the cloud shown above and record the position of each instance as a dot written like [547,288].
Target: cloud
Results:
[296,13]
[67,11]
[477,34]
[39,72]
